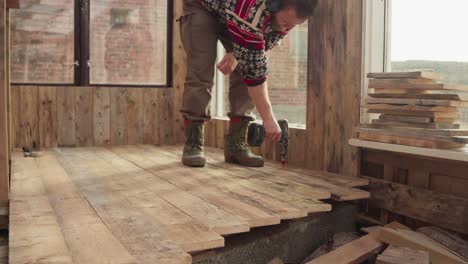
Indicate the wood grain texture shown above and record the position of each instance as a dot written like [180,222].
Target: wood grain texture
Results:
[48,125]
[151,117]
[427,96]
[119,116]
[29,116]
[396,255]
[4,127]
[13,4]
[166,117]
[15,119]
[405,75]
[135,115]
[439,209]
[334,99]
[102,116]
[84,117]
[66,116]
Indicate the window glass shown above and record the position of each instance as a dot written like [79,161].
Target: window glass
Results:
[42,42]
[429,35]
[128,42]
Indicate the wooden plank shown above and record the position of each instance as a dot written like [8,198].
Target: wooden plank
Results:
[296,183]
[408,141]
[436,115]
[136,231]
[424,205]
[4,140]
[385,123]
[118,116]
[211,216]
[151,117]
[414,240]
[15,118]
[427,96]
[449,240]
[185,178]
[410,119]
[415,108]
[101,116]
[86,236]
[66,116]
[422,102]
[423,131]
[416,134]
[10,4]
[409,86]
[84,116]
[297,195]
[29,116]
[35,235]
[135,116]
[48,127]
[397,255]
[405,75]
[166,117]
[172,223]
[354,252]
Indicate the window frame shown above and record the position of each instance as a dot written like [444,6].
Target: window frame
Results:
[82,47]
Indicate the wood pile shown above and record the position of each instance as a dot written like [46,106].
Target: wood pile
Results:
[398,244]
[415,109]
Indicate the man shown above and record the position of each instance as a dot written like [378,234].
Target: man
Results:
[247,29]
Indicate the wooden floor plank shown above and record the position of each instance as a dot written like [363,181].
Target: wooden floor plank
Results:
[298,184]
[293,207]
[286,192]
[77,218]
[137,232]
[184,178]
[130,184]
[207,214]
[35,235]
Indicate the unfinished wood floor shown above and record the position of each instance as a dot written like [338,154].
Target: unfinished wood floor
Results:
[138,204]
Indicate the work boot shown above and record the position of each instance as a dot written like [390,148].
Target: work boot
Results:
[236,148]
[193,155]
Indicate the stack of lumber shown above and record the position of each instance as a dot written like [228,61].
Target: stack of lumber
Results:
[398,244]
[415,109]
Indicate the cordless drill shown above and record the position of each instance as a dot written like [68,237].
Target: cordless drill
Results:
[256,136]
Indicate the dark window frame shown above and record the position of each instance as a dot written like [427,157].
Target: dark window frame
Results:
[82,45]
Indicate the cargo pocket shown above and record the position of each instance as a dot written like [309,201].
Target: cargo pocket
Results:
[184,30]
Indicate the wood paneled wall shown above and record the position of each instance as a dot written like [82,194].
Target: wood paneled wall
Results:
[87,116]
[417,190]
[4,101]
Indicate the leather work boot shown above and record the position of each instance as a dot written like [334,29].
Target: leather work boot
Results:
[236,148]
[193,155]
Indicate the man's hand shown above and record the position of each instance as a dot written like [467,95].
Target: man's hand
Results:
[272,130]
[228,64]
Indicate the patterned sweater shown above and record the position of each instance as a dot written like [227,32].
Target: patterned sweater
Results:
[250,26]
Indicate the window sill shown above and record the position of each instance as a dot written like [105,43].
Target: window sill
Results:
[449,154]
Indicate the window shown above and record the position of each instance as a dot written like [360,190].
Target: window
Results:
[108,42]
[42,42]
[430,38]
[287,79]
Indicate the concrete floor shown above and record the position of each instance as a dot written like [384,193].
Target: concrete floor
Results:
[292,241]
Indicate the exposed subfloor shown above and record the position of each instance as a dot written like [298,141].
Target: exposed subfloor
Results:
[138,204]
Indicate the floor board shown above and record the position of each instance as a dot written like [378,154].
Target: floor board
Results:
[138,204]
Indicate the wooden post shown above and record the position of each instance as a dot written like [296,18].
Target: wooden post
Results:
[4,143]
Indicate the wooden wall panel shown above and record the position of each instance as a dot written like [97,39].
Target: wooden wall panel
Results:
[135,116]
[29,117]
[86,116]
[48,126]
[102,115]
[15,118]
[119,116]
[4,141]
[334,85]
[66,115]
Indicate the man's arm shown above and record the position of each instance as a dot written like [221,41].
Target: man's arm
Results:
[259,96]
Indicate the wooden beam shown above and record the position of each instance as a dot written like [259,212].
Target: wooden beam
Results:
[13,4]
[4,141]
[397,255]
[424,205]
[352,253]
[405,75]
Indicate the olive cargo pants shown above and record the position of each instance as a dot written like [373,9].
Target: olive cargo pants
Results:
[200,32]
